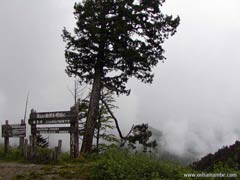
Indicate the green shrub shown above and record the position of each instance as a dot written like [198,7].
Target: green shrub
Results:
[43,156]
[64,158]
[14,154]
[117,164]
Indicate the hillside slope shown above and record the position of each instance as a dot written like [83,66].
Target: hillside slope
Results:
[228,156]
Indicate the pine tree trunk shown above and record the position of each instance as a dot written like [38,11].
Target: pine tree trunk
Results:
[92,113]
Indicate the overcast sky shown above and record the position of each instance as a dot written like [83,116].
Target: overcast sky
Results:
[195,96]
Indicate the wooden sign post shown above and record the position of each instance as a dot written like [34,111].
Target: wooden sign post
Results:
[13,130]
[76,130]
[58,117]
[21,138]
[74,136]
[5,134]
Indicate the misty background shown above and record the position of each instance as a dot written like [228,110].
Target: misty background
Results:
[195,96]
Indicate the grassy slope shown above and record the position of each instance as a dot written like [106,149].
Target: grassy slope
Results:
[114,164]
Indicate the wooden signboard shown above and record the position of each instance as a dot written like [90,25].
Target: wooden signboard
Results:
[57,117]
[52,130]
[14,130]
[71,118]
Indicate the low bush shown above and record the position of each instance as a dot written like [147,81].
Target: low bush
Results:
[14,154]
[43,156]
[118,164]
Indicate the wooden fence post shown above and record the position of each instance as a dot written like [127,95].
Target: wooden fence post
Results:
[59,149]
[32,148]
[6,138]
[71,143]
[75,126]
[72,139]
[25,149]
[21,140]
[55,156]
[33,137]
[76,130]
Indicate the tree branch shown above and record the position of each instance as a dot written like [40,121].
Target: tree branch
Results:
[115,119]
[130,131]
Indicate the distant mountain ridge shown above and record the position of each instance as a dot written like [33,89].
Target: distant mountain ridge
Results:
[228,155]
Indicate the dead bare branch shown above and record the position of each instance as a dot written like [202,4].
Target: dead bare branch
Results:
[114,118]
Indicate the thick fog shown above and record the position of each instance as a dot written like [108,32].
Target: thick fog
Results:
[195,96]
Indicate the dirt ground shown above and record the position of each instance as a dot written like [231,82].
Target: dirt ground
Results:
[17,171]
[10,170]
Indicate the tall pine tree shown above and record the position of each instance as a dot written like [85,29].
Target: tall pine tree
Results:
[114,40]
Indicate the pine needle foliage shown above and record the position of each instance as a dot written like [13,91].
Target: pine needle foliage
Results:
[120,36]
